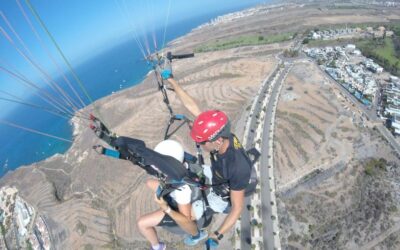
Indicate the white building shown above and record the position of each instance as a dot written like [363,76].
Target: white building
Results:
[394,79]
[396,124]
[357,52]
[23,217]
[328,49]
[392,110]
[316,36]
[350,47]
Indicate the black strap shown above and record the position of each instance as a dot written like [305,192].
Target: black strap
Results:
[203,190]
[183,120]
[251,187]
[255,153]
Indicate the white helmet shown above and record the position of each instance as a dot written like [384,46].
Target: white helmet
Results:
[171,148]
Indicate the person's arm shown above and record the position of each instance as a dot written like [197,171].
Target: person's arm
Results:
[182,218]
[237,200]
[187,101]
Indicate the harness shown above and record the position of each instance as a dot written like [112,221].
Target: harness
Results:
[251,156]
[170,173]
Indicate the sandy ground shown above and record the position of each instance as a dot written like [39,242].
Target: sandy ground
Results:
[316,126]
[321,144]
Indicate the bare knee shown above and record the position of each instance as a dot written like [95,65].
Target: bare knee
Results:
[141,223]
[150,220]
[152,184]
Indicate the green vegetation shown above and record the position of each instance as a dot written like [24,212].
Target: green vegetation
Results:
[331,194]
[395,27]
[294,237]
[348,25]
[29,245]
[383,51]
[372,166]
[243,41]
[3,229]
[88,247]
[337,42]
[290,53]
[81,228]
[393,209]
[387,51]
[99,204]
[382,47]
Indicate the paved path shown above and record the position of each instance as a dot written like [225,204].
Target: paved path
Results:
[245,228]
[265,178]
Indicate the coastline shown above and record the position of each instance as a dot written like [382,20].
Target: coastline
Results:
[107,195]
[79,175]
[59,148]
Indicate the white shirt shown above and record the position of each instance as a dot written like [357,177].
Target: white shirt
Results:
[183,196]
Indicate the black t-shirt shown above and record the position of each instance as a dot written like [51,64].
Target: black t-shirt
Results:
[231,169]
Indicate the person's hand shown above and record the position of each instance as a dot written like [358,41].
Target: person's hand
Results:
[161,202]
[166,74]
[213,236]
[211,244]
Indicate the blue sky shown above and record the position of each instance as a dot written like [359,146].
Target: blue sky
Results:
[82,29]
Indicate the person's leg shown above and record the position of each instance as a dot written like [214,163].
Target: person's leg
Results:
[152,184]
[147,223]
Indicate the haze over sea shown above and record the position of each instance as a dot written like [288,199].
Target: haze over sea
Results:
[113,70]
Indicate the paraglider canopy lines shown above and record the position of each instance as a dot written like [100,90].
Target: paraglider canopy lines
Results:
[33,130]
[18,100]
[134,35]
[61,72]
[44,95]
[42,24]
[166,22]
[59,50]
[47,78]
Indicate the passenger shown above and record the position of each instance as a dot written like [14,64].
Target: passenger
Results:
[176,210]
[230,166]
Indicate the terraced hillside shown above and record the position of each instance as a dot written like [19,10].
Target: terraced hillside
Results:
[93,202]
[312,127]
[335,174]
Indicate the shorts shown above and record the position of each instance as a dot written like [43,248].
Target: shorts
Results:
[167,221]
[170,225]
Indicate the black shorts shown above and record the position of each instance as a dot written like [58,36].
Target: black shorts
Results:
[167,221]
[170,225]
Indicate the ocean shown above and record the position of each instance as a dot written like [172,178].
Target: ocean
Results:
[114,70]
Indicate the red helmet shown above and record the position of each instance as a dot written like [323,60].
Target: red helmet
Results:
[210,125]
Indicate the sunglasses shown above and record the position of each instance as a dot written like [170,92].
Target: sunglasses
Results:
[203,142]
